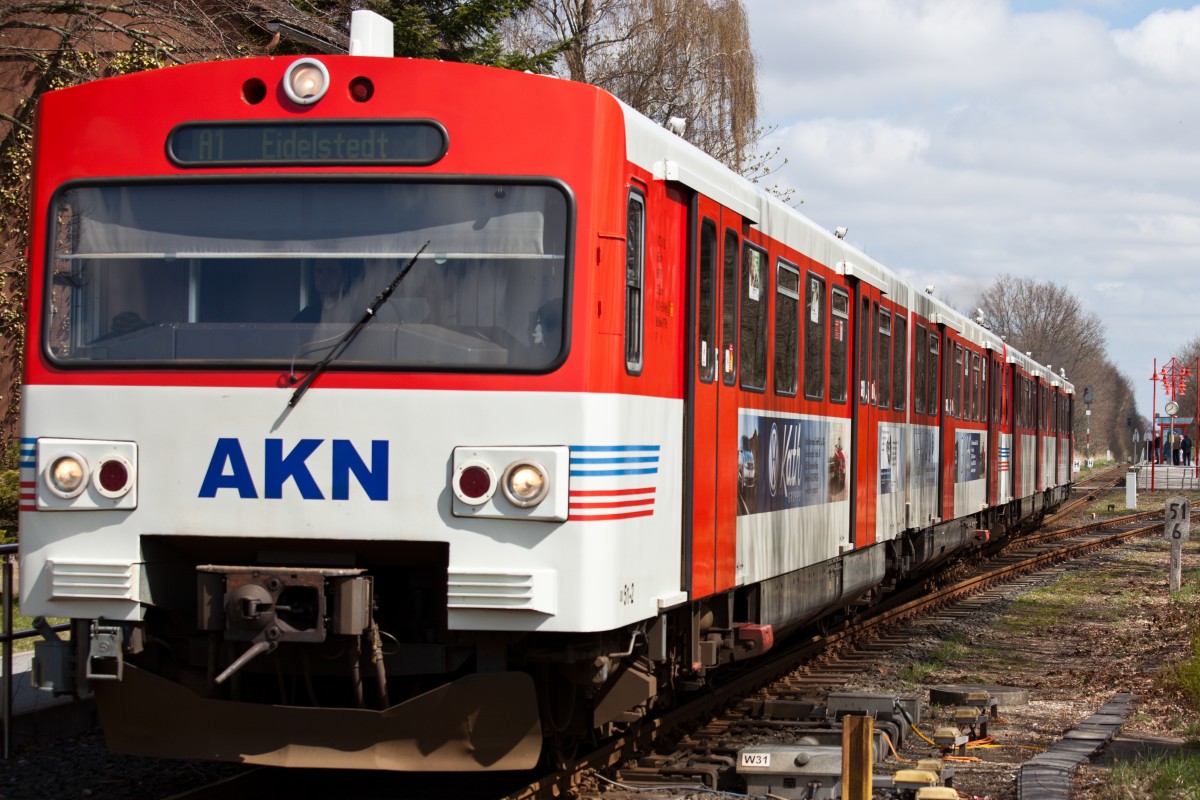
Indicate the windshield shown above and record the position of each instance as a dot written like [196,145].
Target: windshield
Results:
[241,273]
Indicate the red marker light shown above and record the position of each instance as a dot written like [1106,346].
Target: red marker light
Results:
[475,482]
[113,476]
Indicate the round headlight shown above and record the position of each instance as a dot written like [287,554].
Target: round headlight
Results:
[525,484]
[306,81]
[68,475]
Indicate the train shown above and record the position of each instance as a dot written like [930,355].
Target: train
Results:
[391,414]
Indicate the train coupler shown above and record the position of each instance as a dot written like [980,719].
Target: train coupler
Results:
[265,607]
[106,656]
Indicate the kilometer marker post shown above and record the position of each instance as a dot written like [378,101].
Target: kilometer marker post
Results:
[1177,523]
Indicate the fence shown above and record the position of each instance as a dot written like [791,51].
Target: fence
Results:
[7,637]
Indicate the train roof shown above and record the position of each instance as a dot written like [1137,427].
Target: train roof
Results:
[668,156]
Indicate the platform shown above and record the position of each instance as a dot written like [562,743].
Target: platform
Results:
[1167,477]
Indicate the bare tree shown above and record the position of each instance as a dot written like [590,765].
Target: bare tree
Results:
[1046,320]
[666,58]
[47,45]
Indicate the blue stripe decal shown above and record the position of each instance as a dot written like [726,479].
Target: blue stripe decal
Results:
[27,453]
[624,460]
[614,455]
[592,448]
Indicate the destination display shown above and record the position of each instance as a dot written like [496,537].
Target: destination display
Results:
[410,143]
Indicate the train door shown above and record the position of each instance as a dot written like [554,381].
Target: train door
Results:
[713,441]
[995,446]
[866,415]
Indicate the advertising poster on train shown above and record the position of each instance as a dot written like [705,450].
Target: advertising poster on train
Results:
[968,453]
[925,458]
[891,459]
[790,462]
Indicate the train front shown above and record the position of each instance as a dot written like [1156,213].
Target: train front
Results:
[300,404]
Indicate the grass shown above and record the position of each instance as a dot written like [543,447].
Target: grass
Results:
[1163,778]
[22,622]
[1187,673]
[948,652]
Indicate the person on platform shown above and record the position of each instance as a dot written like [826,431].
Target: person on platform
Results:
[1185,445]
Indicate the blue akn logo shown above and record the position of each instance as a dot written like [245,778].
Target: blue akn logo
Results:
[228,469]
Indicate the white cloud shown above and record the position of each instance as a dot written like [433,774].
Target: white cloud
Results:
[960,140]
[1167,43]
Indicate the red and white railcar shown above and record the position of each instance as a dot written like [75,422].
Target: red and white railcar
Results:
[626,419]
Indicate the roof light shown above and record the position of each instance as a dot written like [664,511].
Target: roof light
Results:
[306,81]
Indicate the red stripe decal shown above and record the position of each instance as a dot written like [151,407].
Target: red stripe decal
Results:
[622,504]
[597,518]
[611,492]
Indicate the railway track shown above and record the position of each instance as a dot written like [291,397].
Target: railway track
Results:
[696,742]
[813,667]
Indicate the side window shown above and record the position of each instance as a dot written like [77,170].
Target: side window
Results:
[706,352]
[883,364]
[960,365]
[994,394]
[635,268]
[864,352]
[899,363]
[920,348]
[787,326]
[729,309]
[931,404]
[975,388]
[754,318]
[814,341]
[838,345]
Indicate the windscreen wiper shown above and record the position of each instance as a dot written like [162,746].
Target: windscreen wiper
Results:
[350,335]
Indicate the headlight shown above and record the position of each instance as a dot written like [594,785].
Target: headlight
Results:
[306,81]
[67,476]
[525,484]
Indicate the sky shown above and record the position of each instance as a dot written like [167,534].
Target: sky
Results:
[961,140]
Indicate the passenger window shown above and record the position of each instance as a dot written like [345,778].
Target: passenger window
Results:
[864,352]
[755,279]
[635,260]
[838,345]
[706,352]
[814,340]
[899,363]
[976,385]
[920,348]
[729,309]
[932,388]
[956,381]
[883,374]
[787,326]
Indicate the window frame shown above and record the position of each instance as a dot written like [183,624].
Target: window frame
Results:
[787,352]
[754,329]
[635,277]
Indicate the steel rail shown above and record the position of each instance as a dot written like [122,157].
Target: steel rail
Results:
[562,782]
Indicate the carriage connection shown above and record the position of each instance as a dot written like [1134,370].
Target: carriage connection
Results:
[625,418]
